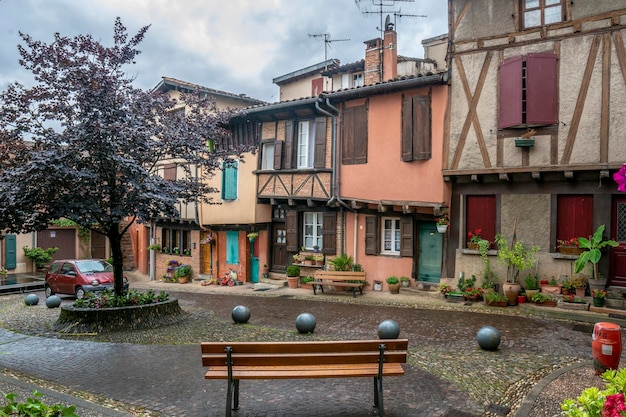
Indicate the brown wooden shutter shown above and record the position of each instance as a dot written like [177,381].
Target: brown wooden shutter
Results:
[481,214]
[317,86]
[288,146]
[347,136]
[510,93]
[541,89]
[406,236]
[360,135]
[329,232]
[320,143]
[422,142]
[371,235]
[407,129]
[278,154]
[291,226]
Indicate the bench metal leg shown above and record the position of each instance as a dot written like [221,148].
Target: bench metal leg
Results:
[378,396]
[236,397]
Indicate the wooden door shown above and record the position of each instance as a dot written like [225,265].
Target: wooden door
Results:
[617,232]
[279,246]
[430,253]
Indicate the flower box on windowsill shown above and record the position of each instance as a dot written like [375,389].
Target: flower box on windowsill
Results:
[524,143]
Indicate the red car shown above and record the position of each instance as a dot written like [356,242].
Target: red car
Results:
[78,276]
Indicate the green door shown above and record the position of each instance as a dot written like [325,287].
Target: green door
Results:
[254,261]
[430,253]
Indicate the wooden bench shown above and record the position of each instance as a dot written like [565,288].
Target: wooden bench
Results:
[234,361]
[339,279]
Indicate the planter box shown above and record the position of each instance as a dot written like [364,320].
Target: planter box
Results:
[547,303]
[551,289]
[497,303]
[524,143]
[454,298]
[570,250]
[573,306]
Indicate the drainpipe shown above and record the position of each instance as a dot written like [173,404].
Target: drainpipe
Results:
[152,251]
[335,168]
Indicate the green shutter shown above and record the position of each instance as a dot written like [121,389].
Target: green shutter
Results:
[232,247]
[10,252]
[229,180]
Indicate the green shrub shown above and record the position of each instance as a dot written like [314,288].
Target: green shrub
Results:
[34,407]
[182,271]
[392,280]
[293,271]
[40,257]
[108,299]
[592,400]
[341,262]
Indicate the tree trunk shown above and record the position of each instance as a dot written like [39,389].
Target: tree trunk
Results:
[115,239]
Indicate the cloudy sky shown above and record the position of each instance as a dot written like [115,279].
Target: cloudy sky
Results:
[237,46]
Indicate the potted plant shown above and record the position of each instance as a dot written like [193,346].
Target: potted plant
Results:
[305,282]
[591,256]
[265,270]
[455,296]
[341,262]
[187,252]
[293,276]
[394,284]
[531,285]
[521,298]
[444,288]
[579,282]
[516,257]
[474,238]
[569,246]
[490,278]
[309,259]
[296,258]
[442,223]
[567,287]
[543,299]
[182,273]
[176,250]
[252,236]
[598,297]
[551,286]
[319,259]
[405,281]
[154,246]
[473,293]
[495,299]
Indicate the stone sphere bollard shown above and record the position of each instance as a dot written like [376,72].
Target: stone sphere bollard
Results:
[488,338]
[31,300]
[388,329]
[305,323]
[241,314]
[53,301]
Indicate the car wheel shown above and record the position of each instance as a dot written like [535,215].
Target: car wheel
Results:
[80,293]
[49,291]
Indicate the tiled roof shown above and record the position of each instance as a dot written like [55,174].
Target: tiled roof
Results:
[168,83]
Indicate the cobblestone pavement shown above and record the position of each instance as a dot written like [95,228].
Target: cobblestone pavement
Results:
[447,373]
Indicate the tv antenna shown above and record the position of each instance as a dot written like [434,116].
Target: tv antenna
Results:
[382,5]
[327,41]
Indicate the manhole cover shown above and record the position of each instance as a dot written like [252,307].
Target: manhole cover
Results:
[498,409]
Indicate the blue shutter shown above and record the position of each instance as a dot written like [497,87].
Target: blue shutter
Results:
[229,181]
[232,247]
[10,252]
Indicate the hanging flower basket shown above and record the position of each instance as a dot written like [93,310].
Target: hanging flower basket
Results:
[442,228]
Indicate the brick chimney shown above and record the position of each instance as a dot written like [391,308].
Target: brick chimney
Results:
[390,54]
[381,57]
[373,61]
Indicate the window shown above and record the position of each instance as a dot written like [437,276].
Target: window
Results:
[267,156]
[306,135]
[390,236]
[313,230]
[480,215]
[542,12]
[416,123]
[357,80]
[528,91]
[169,172]
[574,216]
[176,241]
[229,180]
[354,135]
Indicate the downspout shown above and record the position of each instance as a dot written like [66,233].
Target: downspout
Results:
[335,198]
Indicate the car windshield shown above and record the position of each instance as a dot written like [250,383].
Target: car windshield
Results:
[94,266]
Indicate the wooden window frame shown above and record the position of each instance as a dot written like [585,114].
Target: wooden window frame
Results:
[541,8]
[318,223]
[374,236]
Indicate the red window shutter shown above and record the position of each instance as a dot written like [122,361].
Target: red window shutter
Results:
[510,93]
[317,87]
[574,216]
[541,89]
[406,236]
[288,146]
[320,143]
[169,172]
[371,235]
[291,232]
[329,232]
[481,214]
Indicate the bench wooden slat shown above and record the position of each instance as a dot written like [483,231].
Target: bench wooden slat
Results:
[304,372]
[303,359]
[340,275]
[300,347]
